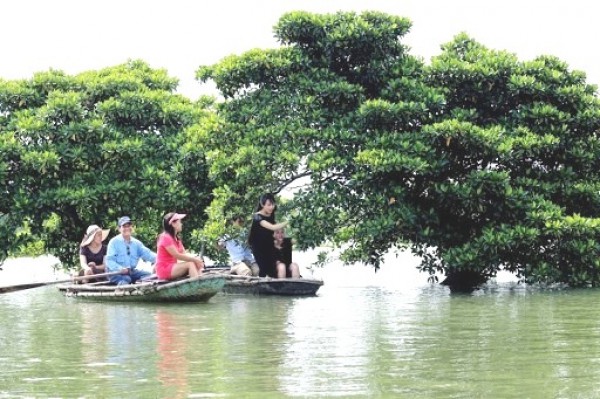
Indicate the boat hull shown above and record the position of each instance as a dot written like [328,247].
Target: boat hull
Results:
[199,289]
[269,286]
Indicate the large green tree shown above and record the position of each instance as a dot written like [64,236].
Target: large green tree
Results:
[477,162]
[515,184]
[89,148]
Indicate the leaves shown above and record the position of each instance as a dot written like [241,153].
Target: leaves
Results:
[85,149]
[488,159]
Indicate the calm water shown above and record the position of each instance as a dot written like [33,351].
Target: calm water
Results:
[360,337]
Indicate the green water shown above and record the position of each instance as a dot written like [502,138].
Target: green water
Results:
[350,341]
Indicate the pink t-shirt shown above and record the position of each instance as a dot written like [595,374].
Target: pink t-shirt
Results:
[164,260]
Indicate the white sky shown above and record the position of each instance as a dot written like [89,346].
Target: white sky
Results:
[181,35]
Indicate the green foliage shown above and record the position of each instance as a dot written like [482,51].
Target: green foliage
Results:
[478,162]
[89,148]
[533,127]
[295,114]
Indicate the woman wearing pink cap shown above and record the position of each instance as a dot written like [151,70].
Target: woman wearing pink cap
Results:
[170,251]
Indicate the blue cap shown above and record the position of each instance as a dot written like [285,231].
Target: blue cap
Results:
[123,220]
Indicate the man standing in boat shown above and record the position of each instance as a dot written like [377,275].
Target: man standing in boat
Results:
[123,254]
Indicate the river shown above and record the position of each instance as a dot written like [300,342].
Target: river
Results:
[365,335]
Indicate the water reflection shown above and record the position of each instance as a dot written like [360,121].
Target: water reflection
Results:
[426,343]
[253,340]
[94,330]
[354,341]
[326,349]
[131,336]
[172,347]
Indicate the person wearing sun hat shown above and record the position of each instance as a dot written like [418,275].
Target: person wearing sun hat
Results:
[172,260]
[124,252]
[92,252]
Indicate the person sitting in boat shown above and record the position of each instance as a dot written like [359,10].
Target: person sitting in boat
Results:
[283,256]
[123,254]
[261,235]
[242,259]
[92,253]
[172,261]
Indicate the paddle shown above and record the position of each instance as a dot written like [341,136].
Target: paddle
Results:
[18,287]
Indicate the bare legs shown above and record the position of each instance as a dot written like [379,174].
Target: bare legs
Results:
[192,269]
[294,270]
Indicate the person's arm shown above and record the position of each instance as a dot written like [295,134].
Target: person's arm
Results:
[83,261]
[145,253]
[183,256]
[271,226]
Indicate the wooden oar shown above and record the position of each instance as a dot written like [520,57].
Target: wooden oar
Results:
[18,287]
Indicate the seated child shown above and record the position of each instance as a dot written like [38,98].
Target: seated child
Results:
[283,256]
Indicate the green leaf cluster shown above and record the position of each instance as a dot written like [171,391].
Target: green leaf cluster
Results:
[87,149]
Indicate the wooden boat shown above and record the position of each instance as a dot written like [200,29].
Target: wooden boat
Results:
[198,289]
[271,286]
[235,284]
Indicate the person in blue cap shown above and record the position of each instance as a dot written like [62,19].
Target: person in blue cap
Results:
[124,252]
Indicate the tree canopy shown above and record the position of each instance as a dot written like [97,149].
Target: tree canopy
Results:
[78,150]
[478,162]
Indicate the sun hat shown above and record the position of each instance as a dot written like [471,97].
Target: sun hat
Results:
[91,232]
[176,216]
[123,220]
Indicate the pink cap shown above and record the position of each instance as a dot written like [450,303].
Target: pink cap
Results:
[176,217]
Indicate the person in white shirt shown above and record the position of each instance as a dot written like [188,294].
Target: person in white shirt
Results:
[242,259]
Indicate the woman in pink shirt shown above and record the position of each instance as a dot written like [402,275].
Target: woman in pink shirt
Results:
[170,251]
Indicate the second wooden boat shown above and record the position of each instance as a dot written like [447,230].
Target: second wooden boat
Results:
[271,286]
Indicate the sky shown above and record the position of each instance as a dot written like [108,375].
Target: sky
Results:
[181,35]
